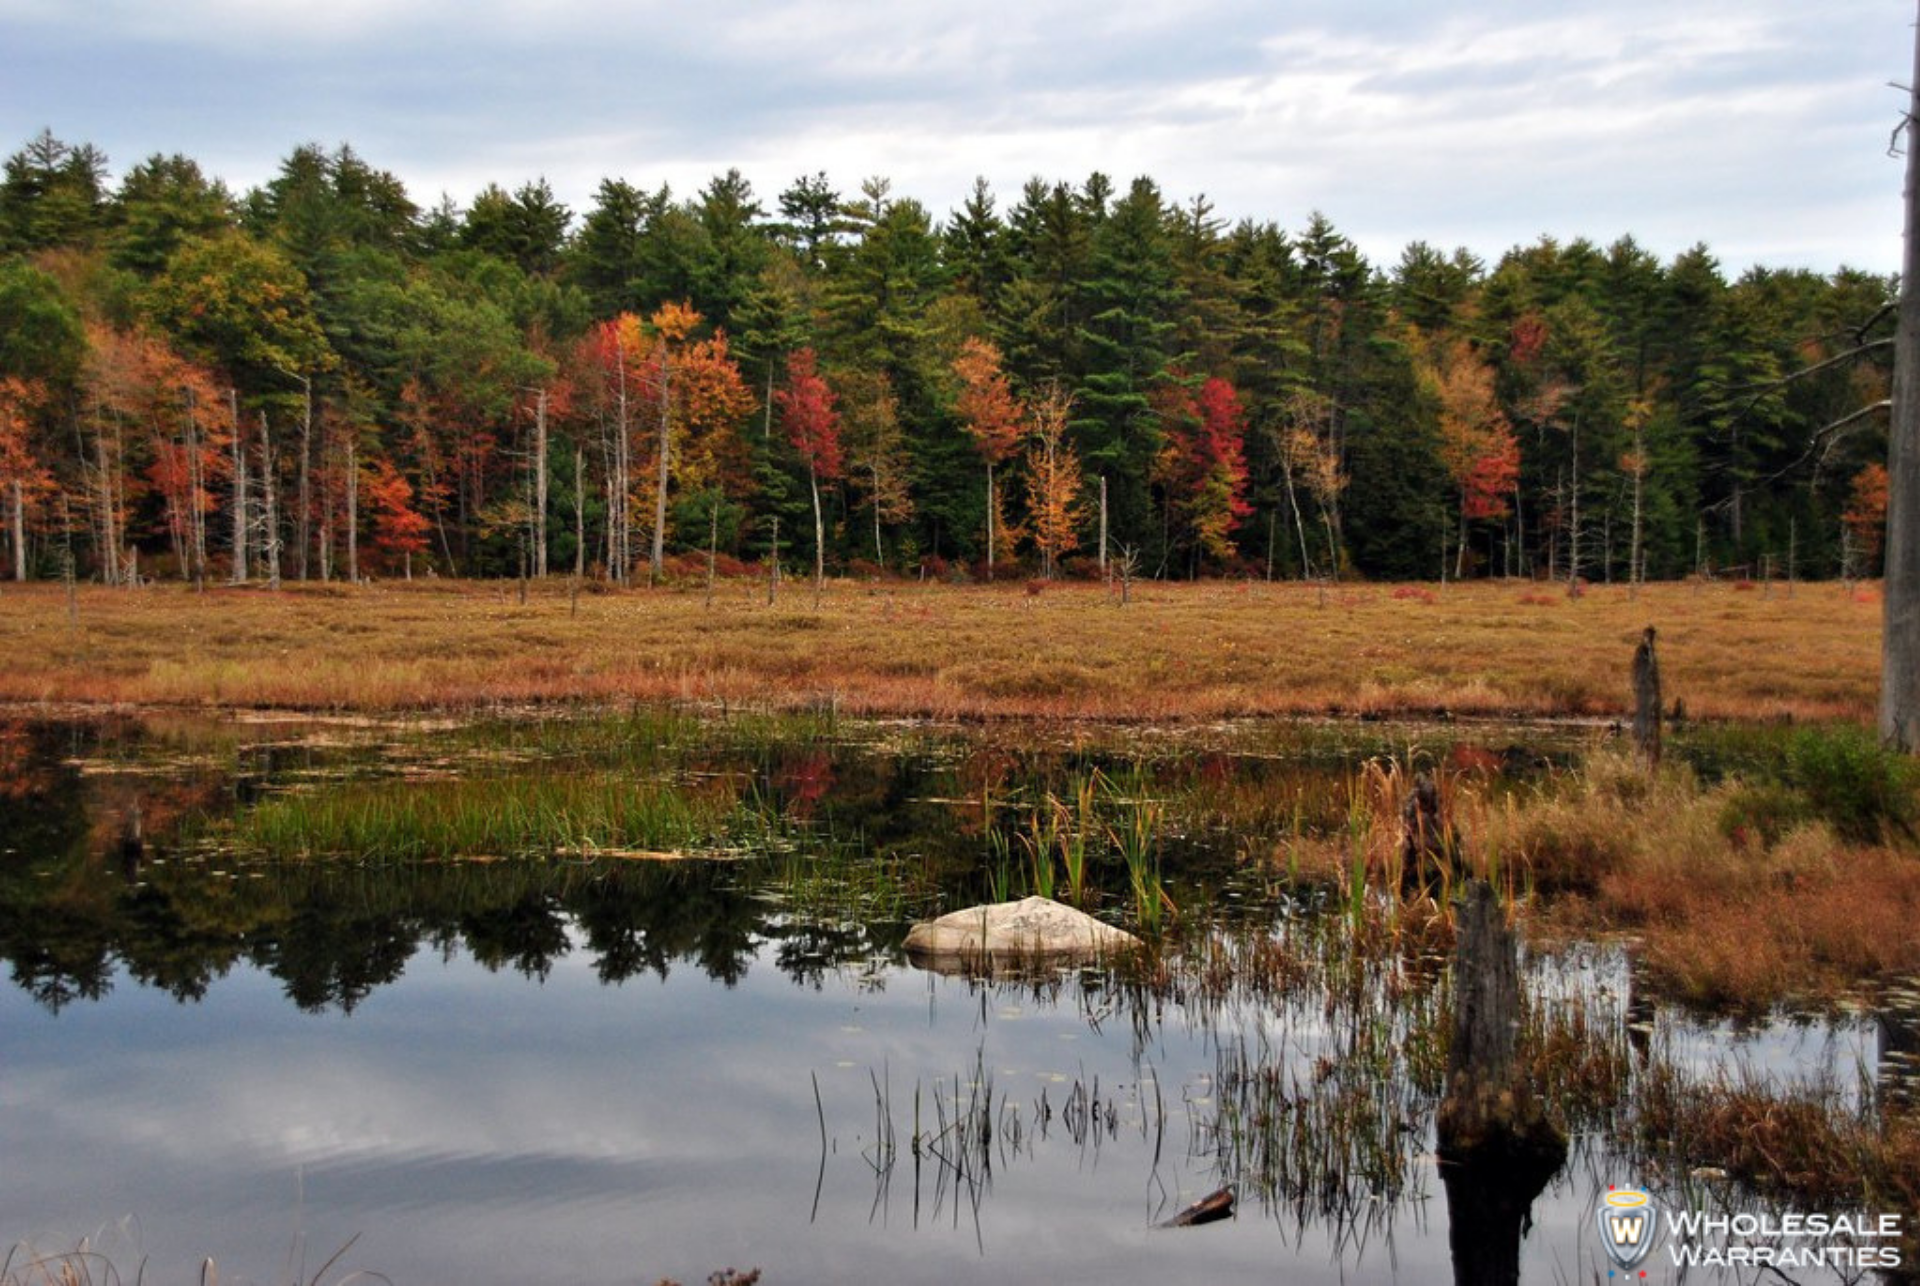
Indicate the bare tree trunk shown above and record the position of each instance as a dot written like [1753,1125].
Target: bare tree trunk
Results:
[19,531]
[1103,526]
[303,521]
[269,492]
[1333,545]
[1573,528]
[1635,571]
[819,538]
[196,514]
[773,563]
[353,509]
[660,492]
[1900,630]
[619,516]
[1460,559]
[1519,532]
[1299,527]
[326,508]
[1646,700]
[879,551]
[713,544]
[109,497]
[239,490]
[579,511]
[540,486]
[990,511]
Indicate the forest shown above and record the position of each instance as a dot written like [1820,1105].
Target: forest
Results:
[323,379]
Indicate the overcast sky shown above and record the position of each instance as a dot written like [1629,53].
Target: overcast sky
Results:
[1757,126]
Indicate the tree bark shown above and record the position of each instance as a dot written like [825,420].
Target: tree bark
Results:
[660,493]
[990,508]
[1103,526]
[819,538]
[269,491]
[353,509]
[239,576]
[540,486]
[1900,629]
[1646,700]
[304,522]
[19,531]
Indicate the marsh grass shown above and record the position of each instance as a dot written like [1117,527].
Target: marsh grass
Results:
[1193,651]
[86,1266]
[1813,1142]
[524,815]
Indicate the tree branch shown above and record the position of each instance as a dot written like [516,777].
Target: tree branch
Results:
[1824,365]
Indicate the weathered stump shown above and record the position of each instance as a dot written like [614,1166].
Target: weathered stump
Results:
[1428,841]
[1646,700]
[1497,1147]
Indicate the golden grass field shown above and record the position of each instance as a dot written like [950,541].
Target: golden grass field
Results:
[1176,651]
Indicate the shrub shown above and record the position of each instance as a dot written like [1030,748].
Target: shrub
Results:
[1859,787]
[1762,814]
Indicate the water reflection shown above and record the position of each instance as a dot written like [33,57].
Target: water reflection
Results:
[670,1020]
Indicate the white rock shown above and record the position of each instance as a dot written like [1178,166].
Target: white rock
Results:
[1028,931]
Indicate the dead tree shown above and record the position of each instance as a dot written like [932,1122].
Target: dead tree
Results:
[1900,630]
[1646,700]
[1490,1108]
[1428,840]
[1497,1147]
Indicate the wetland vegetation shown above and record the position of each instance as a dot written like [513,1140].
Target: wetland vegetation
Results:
[1761,883]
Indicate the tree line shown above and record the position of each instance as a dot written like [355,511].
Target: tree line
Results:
[321,378]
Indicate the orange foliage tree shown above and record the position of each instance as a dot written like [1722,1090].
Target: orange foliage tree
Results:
[1866,512]
[21,473]
[1203,464]
[398,528]
[1053,481]
[690,390]
[812,422]
[1477,444]
[992,418]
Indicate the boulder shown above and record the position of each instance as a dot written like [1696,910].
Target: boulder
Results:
[1028,932]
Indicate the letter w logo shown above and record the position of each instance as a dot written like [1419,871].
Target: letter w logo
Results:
[1629,1225]
[1625,1229]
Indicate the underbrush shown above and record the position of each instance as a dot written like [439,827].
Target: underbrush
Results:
[1793,873]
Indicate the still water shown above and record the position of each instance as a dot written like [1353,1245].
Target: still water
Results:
[621,1071]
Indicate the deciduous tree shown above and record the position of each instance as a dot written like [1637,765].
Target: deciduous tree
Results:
[812,424]
[992,418]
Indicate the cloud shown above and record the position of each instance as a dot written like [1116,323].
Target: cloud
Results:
[1759,125]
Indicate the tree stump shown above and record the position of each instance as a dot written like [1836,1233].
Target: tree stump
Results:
[1428,841]
[1497,1147]
[1646,700]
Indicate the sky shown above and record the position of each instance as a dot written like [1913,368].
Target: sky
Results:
[1759,127]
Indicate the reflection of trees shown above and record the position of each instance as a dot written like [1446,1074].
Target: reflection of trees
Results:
[105,870]
[329,959]
[55,929]
[529,933]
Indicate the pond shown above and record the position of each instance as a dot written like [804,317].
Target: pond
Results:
[686,1037]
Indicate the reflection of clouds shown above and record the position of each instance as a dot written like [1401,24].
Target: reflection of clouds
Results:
[1483,126]
[482,1127]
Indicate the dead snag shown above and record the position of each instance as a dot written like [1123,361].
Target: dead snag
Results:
[1646,700]
[1490,1108]
[1428,841]
[1497,1147]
